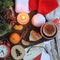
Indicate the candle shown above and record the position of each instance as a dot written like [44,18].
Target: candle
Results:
[23,18]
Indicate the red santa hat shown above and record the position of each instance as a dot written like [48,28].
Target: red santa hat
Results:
[46,6]
[43,6]
[26,5]
[33,5]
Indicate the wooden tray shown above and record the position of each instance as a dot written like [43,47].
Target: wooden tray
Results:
[30,27]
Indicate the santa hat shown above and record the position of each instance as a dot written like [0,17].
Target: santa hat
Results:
[26,5]
[46,6]
[21,6]
[54,14]
[43,6]
[33,5]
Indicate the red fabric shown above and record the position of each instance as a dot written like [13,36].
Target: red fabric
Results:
[33,5]
[46,6]
[38,57]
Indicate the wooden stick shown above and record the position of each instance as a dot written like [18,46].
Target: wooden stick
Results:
[24,33]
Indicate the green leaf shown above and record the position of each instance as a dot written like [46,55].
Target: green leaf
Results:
[8,28]
[5,28]
[6,9]
[2,33]
[8,3]
[2,27]
[0,3]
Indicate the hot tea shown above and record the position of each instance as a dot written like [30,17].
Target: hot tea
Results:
[49,30]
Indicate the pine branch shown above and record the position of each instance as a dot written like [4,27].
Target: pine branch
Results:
[6,4]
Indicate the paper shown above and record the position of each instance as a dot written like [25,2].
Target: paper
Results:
[45,56]
[34,52]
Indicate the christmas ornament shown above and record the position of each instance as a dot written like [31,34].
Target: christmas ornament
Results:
[4,50]
[23,18]
[38,20]
[17,52]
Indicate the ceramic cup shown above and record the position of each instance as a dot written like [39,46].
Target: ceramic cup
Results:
[48,30]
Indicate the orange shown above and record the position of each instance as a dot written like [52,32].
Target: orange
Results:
[15,38]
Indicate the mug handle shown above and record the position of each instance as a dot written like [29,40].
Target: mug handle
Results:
[56,21]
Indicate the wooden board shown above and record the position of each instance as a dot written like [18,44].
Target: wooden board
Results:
[30,27]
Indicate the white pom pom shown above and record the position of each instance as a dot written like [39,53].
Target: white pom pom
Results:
[38,20]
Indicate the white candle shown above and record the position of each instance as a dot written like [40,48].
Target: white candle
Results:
[23,18]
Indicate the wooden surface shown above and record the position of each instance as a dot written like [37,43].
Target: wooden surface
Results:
[30,27]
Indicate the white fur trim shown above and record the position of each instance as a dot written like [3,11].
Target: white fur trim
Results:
[21,6]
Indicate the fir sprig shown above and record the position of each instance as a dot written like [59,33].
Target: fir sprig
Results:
[6,4]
